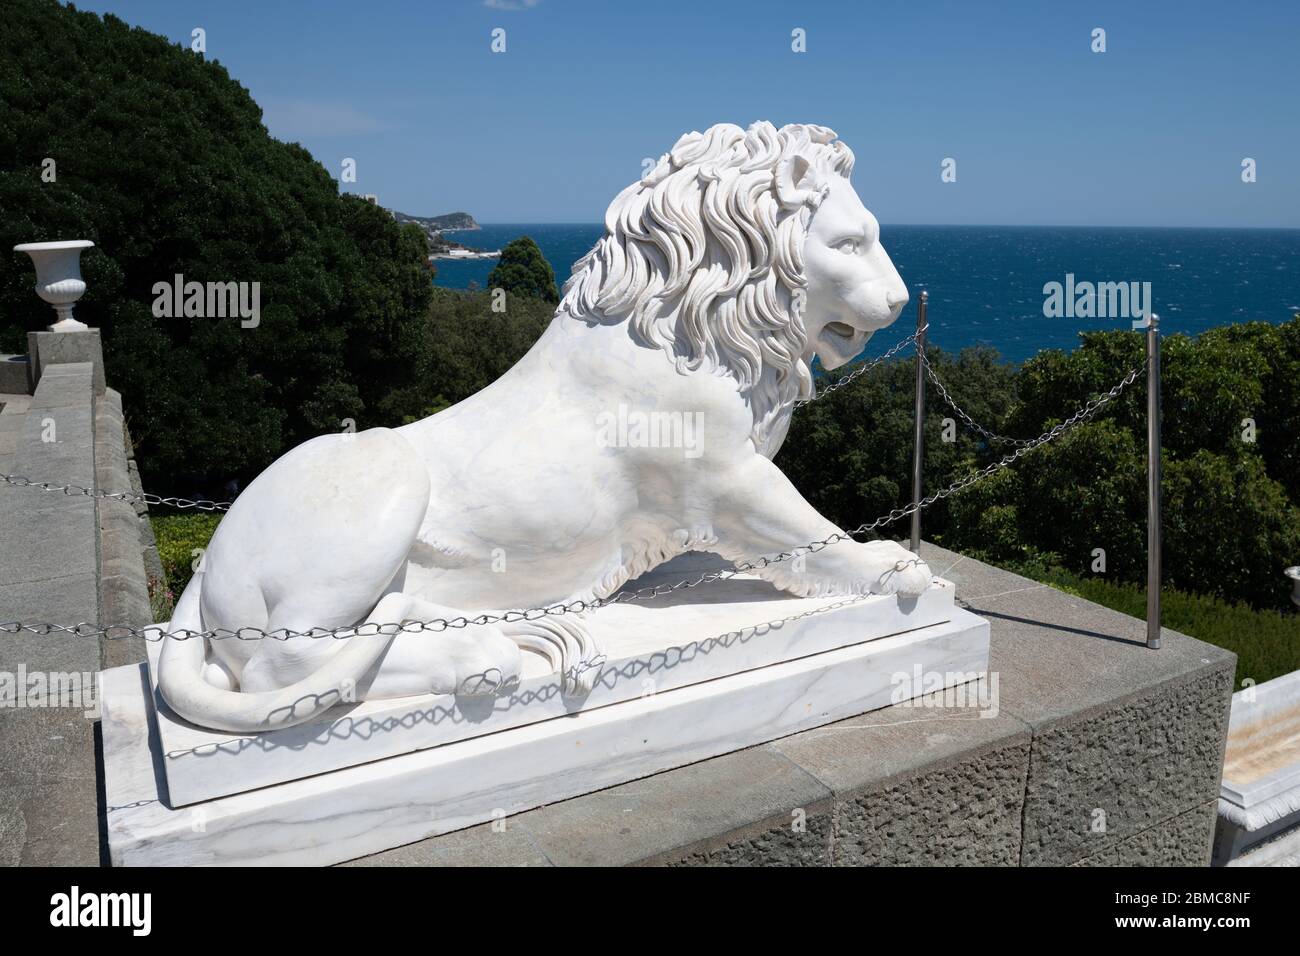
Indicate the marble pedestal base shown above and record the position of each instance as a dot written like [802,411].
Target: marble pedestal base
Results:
[650,647]
[351,812]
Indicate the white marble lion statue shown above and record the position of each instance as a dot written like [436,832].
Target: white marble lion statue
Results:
[722,272]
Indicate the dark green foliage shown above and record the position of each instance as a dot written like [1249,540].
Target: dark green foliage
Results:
[163,161]
[462,346]
[523,270]
[1231,517]
[850,453]
[466,346]
[179,536]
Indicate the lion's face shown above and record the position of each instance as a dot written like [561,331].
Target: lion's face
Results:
[853,288]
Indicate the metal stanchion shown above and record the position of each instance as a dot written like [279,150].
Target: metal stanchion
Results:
[918,435]
[1153,482]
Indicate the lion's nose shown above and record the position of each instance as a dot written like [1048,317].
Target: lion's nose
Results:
[896,299]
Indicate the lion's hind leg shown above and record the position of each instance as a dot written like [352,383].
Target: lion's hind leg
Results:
[472,660]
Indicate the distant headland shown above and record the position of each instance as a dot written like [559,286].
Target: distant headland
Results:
[435,226]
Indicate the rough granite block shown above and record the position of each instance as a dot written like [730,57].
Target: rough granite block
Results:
[1125,737]
[119,519]
[1180,841]
[120,553]
[123,601]
[939,780]
[779,842]
[1105,857]
[965,814]
[1123,770]
[136,486]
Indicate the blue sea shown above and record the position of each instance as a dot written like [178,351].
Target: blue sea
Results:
[986,282]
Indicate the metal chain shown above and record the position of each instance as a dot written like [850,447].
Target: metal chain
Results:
[913,339]
[156,632]
[961,412]
[21,481]
[1082,415]
[965,417]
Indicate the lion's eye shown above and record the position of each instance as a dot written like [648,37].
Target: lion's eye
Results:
[850,247]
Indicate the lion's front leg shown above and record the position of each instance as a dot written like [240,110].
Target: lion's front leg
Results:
[760,513]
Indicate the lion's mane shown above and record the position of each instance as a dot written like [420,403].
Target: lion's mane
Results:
[703,258]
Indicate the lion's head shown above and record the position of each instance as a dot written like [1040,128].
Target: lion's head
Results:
[746,251]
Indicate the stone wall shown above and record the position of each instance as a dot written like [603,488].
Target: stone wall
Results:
[65,560]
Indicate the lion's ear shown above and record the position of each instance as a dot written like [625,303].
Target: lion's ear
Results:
[798,169]
[794,186]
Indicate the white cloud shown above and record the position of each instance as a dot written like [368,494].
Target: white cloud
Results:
[293,119]
[511,4]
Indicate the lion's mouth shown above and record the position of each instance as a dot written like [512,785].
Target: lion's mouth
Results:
[840,342]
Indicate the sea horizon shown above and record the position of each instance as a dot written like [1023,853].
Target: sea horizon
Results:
[986,283]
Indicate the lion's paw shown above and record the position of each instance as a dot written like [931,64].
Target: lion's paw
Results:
[900,571]
[476,664]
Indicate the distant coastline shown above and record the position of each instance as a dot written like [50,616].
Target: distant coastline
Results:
[441,247]
[464,252]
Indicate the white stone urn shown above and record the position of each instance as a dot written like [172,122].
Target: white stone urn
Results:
[1294,574]
[58,277]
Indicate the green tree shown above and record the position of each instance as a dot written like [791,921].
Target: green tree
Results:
[523,270]
[163,160]
[469,346]
[1231,521]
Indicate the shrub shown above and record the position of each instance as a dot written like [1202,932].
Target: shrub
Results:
[467,346]
[179,537]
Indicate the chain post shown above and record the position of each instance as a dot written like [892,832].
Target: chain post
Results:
[918,434]
[1154,575]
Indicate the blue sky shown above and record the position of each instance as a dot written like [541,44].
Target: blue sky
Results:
[1044,131]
